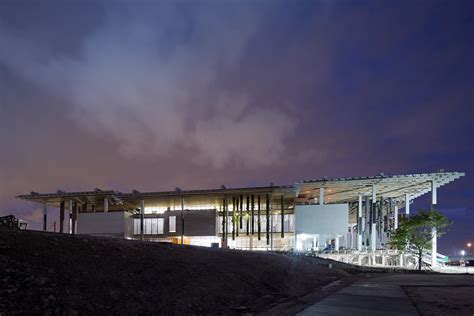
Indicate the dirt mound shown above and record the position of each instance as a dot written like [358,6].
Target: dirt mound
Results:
[63,274]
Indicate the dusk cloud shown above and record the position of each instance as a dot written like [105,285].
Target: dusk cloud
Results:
[149,79]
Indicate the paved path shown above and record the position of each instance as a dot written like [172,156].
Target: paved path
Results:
[382,295]
[364,298]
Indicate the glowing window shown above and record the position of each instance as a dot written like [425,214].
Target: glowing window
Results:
[172,224]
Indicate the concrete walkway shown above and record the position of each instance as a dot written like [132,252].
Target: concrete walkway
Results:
[384,295]
[365,298]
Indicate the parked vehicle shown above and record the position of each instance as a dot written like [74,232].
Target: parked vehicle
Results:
[11,221]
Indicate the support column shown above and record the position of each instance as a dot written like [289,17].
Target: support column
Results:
[182,220]
[234,220]
[237,216]
[401,260]
[367,222]
[241,218]
[434,194]
[142,219]
[45,217]
[434,232]
[74,218]
[321,196]
[282,217]
[225,227]
[61,217]
[359,225]
[69,217]
[395,224]
[267,210]
[252,206]
[247,215]
[380,222]
[373,238]
[259,223]
[271,225]
[336,243]
[373,232]
[106,204]
[407,204]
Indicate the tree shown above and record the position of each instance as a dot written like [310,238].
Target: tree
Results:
[415,234]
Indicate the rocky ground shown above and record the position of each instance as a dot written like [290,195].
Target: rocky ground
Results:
[49,273]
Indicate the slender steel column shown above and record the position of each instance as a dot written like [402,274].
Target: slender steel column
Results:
[74,217]
[359,224]
[395,223]
[223,218]
[434,232]
[233,218]
[282,218]
[106,204]
[45,217]
[407,204]
[182,220]
[238,221]
[142,219]
[253,214]
[226,219]
[224,222]
[434,194]
[241,219]
[267,210]
[61,217]
[367,221]
[247,215]
[69,218]
[373,241]
[259,228]
[380,221]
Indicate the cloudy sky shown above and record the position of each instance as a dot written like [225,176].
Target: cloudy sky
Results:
[151,95]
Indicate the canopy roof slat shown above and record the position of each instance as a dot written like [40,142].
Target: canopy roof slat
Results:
[337,190]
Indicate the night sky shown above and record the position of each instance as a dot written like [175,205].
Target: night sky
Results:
[152,95]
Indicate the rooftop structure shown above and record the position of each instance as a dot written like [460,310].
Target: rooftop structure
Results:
[357,213]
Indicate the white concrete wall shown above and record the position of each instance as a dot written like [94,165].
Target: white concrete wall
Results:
[327,219]
[105,224]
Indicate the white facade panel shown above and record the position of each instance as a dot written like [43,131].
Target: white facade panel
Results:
[172,222]
[328,219]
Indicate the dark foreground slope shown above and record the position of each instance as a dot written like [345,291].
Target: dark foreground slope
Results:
[62,274]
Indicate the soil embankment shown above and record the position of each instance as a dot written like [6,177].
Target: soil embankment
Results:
[63,274]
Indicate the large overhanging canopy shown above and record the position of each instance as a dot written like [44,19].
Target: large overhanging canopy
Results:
[339,190]
[119,200]
[345,190]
